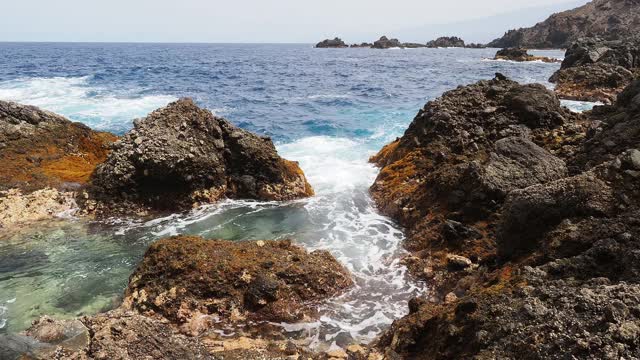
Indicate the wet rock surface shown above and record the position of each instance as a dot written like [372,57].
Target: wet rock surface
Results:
[564,279]
[521,55]
[609,19]
[181,156]
[189,279]
[597,70]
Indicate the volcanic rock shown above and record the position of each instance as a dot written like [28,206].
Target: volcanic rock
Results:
[187,278]
[567,275]
[597,70]
[446,42]
[520,55]
[386,43]
[335,43]
[39,149]
[609,19]
[180,156]
[447,176]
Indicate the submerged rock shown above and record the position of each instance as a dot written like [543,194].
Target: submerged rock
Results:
[181,155]
[335,43]
[521,55]
[190,280]
[597,70]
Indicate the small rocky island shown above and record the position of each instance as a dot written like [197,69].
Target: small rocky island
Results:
[386,43]
[521,55]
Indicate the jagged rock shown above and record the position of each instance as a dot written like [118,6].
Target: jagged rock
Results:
[182,155]
[568,274]
[445,42]
[386,43]
[594,82]
[335,43]
[445,179]
[186,279]
[597,70]
[39,149]
[361,45]
[610,19]
[521,55]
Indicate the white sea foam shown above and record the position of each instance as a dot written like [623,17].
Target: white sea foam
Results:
[3,314]
[75,98]
[521,62]
[341,218]
[579,106]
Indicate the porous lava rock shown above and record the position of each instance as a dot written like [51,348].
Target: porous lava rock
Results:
[190,279]
[597,70]
[181,156]
[521,55]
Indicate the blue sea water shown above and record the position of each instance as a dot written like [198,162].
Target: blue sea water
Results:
[329,109]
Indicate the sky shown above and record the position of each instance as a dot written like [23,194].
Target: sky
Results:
[271,21]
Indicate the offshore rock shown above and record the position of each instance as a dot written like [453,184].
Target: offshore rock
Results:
[335,43]
[609,19]
[386,43]
[189,280]
[446,178]
[520,55]
[446,42]
[180,156]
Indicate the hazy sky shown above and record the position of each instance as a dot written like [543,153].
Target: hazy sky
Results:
[237,20]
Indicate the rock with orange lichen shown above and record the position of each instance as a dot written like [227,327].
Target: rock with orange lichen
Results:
[445,179]
[181,155]
[40,149]
[190,280]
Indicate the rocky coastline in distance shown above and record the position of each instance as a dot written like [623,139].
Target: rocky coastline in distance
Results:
[386,43]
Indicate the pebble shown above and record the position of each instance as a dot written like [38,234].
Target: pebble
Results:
[458,261]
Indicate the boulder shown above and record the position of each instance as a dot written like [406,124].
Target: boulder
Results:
[180,156]
[335,43]
[189,279]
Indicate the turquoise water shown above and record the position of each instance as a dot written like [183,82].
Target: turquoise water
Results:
[328,109]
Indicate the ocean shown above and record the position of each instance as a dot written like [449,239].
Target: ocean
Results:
[329,109]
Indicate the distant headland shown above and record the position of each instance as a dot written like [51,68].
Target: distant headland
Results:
[385,43]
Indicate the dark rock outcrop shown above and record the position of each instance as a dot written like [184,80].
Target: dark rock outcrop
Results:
[183,155]
[445,42]
[361,45]
[520,55]
[609,19]
[335,43]
[459,159]
[386,43]
[566,280]
[597,70]
[186,278]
